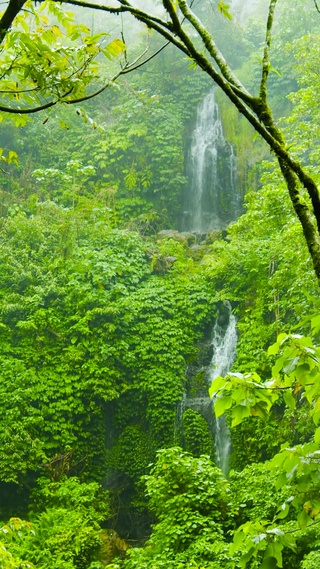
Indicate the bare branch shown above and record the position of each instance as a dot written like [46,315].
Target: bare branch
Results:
[145,60]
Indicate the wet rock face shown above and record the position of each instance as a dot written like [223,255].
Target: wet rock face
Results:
[197,371]
[163,264]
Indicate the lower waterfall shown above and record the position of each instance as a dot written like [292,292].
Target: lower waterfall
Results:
[224,343]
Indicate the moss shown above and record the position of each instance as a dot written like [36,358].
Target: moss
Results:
[249,151]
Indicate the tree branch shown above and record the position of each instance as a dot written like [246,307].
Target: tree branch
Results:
[299,529]
[266,54]
[316,5]
[302,211]
[125,7]
[161,26]
[146,60]
[126,69]
[8,16]
[214,51]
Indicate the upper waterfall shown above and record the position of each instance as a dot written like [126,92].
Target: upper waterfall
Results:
[211,201]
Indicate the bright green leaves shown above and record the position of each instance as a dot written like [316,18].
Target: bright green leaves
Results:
[10,158]
[223,8]
[295,379]
[262,542]
[191,501]
[298,467]
[317,435]
[64,530]
[243,394]
[113,49]
[48,57]
[289,400]
[84,321]
[297,368]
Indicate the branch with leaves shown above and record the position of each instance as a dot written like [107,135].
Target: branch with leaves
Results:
[295,377]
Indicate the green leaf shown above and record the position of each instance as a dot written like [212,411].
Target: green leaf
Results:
[217,384]
[303,519]
[273,349]
[317,435]
[269,563]
[246,557]
[274,550]
[315,323]
[239,412]
[282,514]
[291,364]
[289,399]
[224,10]
[222,404]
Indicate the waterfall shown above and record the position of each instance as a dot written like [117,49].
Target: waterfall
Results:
[211,200]
[224,343]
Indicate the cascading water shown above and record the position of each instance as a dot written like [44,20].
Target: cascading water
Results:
[211,201]
[224,343]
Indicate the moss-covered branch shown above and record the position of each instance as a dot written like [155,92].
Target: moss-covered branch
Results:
[266,53]
[304,215]
[213,50]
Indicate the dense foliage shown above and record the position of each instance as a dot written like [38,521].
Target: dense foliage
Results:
[106,321]
[84,314]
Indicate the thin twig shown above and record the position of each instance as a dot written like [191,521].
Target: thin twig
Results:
[299,529]
[126,69]
[316,5]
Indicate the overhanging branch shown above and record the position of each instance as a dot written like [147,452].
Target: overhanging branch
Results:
[128,68]
[161,26]
[124,7]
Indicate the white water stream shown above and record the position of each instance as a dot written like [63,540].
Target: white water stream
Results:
[211,201]
[224,343]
